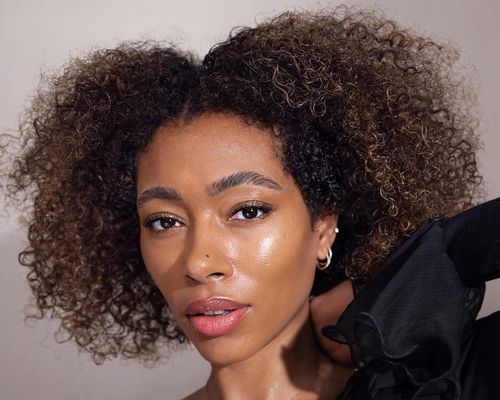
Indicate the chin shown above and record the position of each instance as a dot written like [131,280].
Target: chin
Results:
[224,350]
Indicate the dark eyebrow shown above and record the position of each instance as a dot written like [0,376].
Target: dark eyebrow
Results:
[219,186]
[241,178]
[158,192]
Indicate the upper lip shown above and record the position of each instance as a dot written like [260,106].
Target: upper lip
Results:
[213,304]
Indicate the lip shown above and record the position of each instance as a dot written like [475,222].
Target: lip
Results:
[216,325]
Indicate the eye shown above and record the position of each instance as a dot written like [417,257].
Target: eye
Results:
[161,223]
[250,211]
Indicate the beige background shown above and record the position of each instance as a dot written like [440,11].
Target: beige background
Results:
[38,35]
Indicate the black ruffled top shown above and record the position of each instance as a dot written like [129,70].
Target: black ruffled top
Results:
[412,327]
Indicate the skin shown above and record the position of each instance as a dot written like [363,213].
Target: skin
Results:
[204,245]
[326,309]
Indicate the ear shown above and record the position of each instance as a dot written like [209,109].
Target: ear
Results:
[325,229]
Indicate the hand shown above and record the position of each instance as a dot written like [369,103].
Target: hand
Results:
[325,310]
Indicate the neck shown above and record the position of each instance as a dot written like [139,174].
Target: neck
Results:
[287,367]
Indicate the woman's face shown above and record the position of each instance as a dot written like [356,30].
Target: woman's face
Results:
[226,236]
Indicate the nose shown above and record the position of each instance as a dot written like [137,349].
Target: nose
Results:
[207,257]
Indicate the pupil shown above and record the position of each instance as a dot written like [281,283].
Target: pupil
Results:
[250,212]
[166,222]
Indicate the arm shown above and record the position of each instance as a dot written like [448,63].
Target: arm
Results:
[473,242]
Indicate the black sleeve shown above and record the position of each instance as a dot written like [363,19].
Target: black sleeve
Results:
[412,328]
[473,242]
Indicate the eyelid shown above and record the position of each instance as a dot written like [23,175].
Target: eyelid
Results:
[150,219]
[267,208]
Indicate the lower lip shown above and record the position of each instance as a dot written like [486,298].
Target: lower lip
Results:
[220,324]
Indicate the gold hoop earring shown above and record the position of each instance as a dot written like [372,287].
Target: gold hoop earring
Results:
[325,262]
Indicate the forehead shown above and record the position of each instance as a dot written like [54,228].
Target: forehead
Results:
[206,148]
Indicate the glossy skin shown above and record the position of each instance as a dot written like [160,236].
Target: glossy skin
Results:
[251,243]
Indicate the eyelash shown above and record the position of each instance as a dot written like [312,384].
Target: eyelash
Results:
[264,208]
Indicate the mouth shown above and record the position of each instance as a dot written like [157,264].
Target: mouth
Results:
[216,316]
[212,313]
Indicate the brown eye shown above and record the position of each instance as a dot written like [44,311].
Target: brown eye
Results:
[164,223]
[251,211]
[161,223]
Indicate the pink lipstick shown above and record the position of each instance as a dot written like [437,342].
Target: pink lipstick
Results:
[216,316]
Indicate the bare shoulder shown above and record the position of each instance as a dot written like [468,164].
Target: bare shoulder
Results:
[198,395]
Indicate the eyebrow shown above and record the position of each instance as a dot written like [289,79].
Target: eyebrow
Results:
[215,188]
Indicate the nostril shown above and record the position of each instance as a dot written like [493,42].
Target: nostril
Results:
[217,274]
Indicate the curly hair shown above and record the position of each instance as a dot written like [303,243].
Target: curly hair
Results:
[371,119]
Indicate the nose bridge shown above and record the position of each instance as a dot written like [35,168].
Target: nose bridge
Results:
[205,258]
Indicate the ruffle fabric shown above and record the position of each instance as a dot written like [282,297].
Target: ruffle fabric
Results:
[412,327]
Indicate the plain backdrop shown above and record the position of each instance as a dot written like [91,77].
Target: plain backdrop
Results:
[39,35]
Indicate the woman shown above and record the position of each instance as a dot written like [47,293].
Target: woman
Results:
[205,200]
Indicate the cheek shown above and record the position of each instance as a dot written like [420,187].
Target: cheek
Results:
[150,258]
[278,259]
[266,249]
[158,262]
